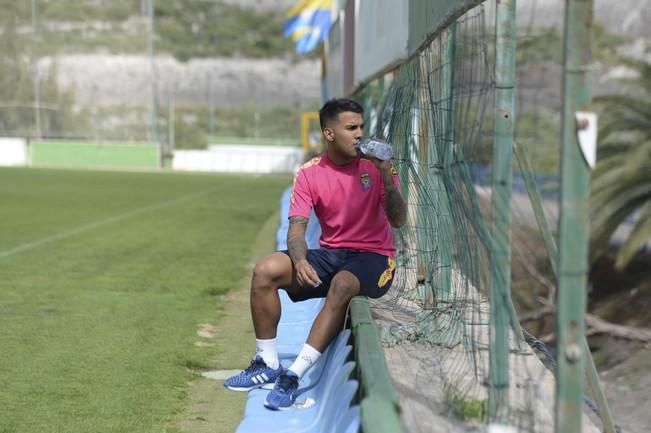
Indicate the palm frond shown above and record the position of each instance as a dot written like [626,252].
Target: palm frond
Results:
[639,236]
[601,232]
[613,209]
[630,118]
[616,179]
[621,183]
[644,69]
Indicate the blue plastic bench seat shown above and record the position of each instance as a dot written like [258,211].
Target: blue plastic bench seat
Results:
[326,384]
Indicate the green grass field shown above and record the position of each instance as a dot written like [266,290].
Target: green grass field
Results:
[104,280]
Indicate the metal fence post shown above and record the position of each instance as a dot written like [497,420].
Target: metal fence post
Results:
[153,109]
[500,295]
[575,190]
[446,158]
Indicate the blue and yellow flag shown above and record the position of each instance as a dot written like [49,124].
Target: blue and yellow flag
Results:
[308,23]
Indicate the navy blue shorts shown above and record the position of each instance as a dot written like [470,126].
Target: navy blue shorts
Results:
[374,272]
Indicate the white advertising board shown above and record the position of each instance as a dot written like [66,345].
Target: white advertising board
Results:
[239,159]
[13,152]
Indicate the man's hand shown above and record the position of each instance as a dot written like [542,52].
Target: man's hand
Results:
[383,166]
[306,275]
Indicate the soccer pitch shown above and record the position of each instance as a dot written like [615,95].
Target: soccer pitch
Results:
[104,279]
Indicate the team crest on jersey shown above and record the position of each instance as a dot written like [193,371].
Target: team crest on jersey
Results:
[394,171]
[366,180]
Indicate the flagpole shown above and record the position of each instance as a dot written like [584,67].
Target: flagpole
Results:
[308,23]
[324,73]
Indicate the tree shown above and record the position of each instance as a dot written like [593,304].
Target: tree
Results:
[621,186]
[19,83]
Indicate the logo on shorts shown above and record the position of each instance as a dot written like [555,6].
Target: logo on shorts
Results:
[366,180]
[387,275]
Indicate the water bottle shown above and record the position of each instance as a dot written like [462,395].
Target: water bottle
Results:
[375,148]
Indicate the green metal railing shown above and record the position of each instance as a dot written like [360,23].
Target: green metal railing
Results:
[379,405]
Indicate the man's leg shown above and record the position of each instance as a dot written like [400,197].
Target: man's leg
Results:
[328,322]
[269,274]
[374,271]
[325,328]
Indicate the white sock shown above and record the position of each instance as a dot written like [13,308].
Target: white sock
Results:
[305,359]
[267,350]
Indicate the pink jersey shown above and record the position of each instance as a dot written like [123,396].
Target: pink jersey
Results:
[349,202]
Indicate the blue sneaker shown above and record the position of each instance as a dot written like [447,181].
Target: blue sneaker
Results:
[256,375]
[282,396]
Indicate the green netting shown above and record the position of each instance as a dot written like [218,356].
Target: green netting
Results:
[434,110]
[438,110]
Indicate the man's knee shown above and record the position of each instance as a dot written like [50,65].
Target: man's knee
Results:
[342,291]
[271,271]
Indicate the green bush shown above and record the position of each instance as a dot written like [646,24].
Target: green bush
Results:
[464,407]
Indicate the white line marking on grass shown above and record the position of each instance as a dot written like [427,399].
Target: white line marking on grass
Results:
[220,374]
[109,220]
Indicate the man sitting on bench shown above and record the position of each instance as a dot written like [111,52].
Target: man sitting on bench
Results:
[356,199]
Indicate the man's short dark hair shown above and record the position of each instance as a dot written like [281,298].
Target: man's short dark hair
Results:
[331,109]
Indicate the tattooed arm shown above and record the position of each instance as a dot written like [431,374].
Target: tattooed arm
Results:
[296,244]
[396,207]
[297,248]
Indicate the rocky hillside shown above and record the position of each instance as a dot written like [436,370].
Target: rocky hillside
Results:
[231,82]
[232,52]
[623,17]
[115,78]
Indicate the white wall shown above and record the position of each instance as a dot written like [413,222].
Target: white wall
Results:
[335,63]
[381,33]
[239,159]
[13,152]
